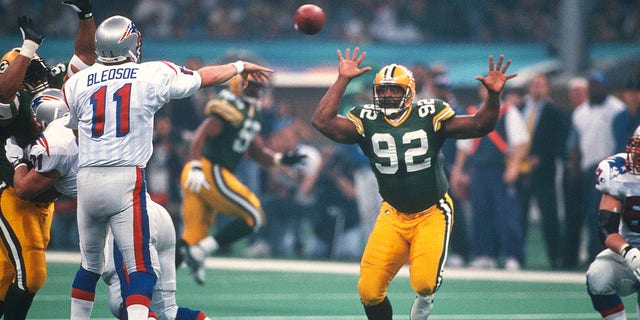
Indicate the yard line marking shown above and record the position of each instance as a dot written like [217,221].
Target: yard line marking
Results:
[353,268]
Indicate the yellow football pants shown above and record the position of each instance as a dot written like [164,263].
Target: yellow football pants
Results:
[25,229]
[227,195]
[421,239]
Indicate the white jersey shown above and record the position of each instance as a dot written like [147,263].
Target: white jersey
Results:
[57,149]
[614,179]
[113,106]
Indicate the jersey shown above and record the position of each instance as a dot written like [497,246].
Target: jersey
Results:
[23,128]
[613,178]
[242,123]
[113,107]
[57,149]
[405,155]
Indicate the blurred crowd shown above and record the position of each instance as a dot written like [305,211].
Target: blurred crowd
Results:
[356,20]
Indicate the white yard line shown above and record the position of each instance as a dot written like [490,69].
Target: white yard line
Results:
[353,268]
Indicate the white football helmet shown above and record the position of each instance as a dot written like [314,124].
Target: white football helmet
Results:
[49,105]
[118,40]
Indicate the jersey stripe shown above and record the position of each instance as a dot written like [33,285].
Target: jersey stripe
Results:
[356,122]
[444,114]
[236,198]
[141,224]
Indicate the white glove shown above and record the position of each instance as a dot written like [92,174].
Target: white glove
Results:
[632,258]
[196,179]
[14,153]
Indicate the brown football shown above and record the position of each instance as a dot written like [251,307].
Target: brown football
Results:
[309,19]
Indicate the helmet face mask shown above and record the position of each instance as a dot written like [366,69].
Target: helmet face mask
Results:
[393,90]
[633,155]
[118,40]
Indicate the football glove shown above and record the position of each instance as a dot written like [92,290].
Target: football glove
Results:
[632,258]
[81,7]
[292,158]
[196,179]
[14,153]
[26,28]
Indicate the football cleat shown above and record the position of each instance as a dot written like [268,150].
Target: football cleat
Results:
[421,308]
[194,256]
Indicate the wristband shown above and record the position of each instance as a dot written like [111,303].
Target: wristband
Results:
[239,65]
[625,249]
[20,164]
[29,48]
[85,15]
[277,158]
[196,164]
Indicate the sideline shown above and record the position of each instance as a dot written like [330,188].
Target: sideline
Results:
[353,268]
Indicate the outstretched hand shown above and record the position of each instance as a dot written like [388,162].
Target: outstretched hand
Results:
[496,79]
[350,64]
[28,33]
[258,72]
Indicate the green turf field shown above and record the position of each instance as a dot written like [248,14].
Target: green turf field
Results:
[282,290]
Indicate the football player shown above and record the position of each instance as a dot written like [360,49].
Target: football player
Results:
[615,272]
[25,225]
[231,129]
[112,105]
[402,140]
[54,164]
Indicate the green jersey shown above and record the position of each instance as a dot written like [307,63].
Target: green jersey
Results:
[405,155]
[242,123]
[22,128]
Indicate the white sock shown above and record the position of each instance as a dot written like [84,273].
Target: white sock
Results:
[620,315]
[137,312]
[80,309]
[209,244]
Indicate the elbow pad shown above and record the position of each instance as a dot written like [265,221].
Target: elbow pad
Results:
[608,223]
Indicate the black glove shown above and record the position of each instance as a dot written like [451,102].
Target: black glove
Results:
[82,7]
[25,25]
[291,158]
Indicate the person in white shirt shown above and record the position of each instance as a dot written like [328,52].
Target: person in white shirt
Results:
[112,106]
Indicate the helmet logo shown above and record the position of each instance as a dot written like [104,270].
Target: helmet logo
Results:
[131,28]
[3,65]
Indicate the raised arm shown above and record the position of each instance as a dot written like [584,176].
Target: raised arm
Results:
[85,42]
[217,74]
[325,119]
[11,78]
[483,121]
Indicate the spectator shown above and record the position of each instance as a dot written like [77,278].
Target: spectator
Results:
[547,127]
[592,125]
[335,220]
[628,121]
[578,93]
[497,220]
[291,198]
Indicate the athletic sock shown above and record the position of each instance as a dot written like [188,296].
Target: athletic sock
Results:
[18,302]
[83,293]
[381,311]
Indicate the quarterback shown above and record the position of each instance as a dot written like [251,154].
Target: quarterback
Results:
[402,139]
[114,119]
[615,272]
